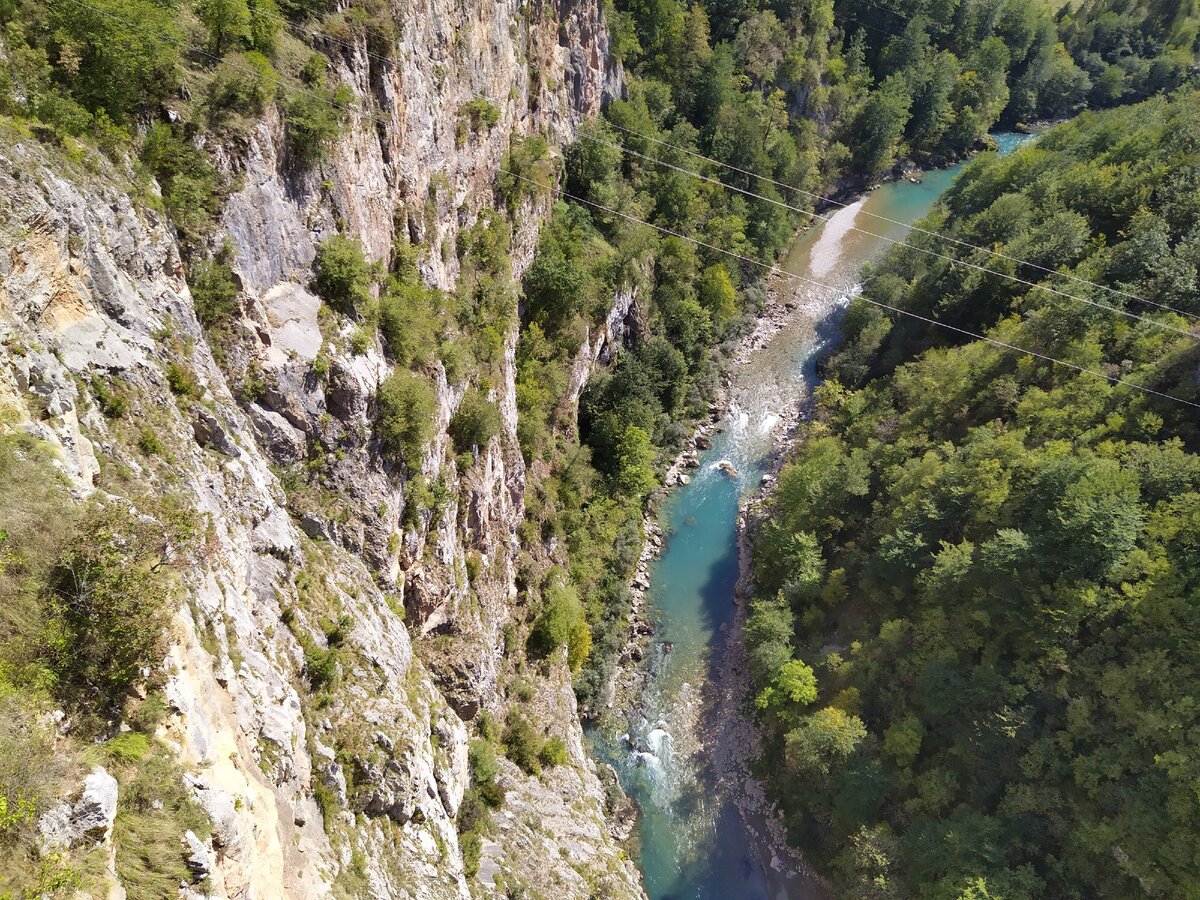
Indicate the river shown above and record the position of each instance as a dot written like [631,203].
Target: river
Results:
[693,843]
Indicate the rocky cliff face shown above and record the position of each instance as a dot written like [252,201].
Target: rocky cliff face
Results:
[353,790]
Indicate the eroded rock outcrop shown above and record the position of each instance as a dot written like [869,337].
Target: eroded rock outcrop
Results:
[364,781]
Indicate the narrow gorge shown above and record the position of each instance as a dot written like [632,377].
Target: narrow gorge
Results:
[383,382]
[308,542]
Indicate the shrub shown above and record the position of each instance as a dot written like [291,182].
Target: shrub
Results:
[182,381]
[30,775]
[404,423]
[110,598]
[409,322]
[227,21]
[314,117]
[523,744]
[127,747]
[553,753]
[148,442]
[265,23]
[475,115]
[320,665]
[527,161]
[243,83]
[189,183]
[112,402]
[154,809]
[561,623]
[131,57]
[341,274]
[475,422]
[214,292]
[480,112]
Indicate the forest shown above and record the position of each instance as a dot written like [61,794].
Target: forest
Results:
[973,638]
[727,102]
[972,642]
[818,95]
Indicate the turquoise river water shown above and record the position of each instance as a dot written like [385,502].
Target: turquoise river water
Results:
[693,843]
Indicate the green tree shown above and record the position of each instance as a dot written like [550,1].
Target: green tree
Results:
[228,22]
[214,292]
[112,593]
[475,422]
[879,127]
[265,23]
[404,422]
[341,274]
[718,296]
[823,740]
[634,455]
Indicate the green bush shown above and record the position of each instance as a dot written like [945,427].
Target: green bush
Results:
[227,21]
[265,23]
[315,115]
[30,780]
[561,623]
[149,442]
[214,292]
[183,381]
[553,753]
[341,274]
[244,84]
[404,423]
[189,184]
[320,665]
[474,116]
[523,744]
[526,172]
[111,401]
[480,112]
[409,320]
[475,422]
[110,596]
[127,52]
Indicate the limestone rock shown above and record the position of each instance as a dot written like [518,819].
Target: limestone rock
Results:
[90,818]
[91,290]
[197,856]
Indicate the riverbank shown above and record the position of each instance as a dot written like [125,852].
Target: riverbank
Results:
[674,725]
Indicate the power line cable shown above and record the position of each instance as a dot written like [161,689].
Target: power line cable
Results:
[886,306]
[893,240]
[950,259]
[742,257]
[934,234]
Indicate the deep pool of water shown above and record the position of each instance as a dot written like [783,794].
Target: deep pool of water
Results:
[692,841]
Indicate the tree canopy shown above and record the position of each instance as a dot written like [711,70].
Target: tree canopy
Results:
[988,559]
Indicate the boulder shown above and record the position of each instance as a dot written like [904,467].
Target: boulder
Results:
[197,856]
[209,432]
[90,818]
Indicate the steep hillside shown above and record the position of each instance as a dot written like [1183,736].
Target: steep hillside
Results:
[336,607]
[973,639]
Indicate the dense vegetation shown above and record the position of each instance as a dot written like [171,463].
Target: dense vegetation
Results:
[816,94]
[86,596]
[973,648]
[873,82]
[812,94]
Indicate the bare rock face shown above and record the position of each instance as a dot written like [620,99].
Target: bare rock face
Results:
[89,819]
[368,779]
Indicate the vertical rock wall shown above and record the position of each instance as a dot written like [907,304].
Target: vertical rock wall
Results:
[354,792]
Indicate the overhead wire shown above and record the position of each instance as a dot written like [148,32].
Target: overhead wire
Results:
[906,225]
[1034,285]
[950,259]
[662,229]
[1112,379]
